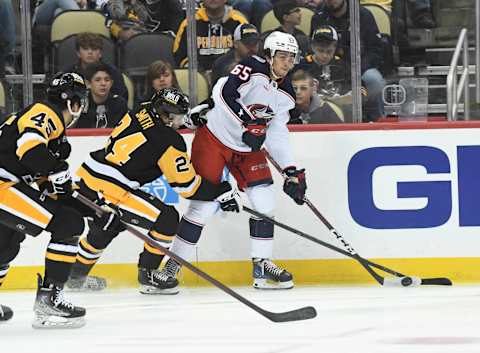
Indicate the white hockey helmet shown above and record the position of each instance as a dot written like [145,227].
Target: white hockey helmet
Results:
[281,41]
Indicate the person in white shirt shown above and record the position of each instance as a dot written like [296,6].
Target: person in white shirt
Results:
[251,108]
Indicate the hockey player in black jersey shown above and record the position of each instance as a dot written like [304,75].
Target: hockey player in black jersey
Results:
[144,146]
[33,146]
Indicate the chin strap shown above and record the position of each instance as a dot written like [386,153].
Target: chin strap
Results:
[75,115]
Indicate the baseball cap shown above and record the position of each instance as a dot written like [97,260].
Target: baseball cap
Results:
[325,33]
[247,33]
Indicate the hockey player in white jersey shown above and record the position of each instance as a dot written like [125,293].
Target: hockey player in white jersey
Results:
[251,108]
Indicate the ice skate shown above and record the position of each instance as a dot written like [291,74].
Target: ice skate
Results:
[86,284]
[267,275]
[5,313]
[156,282]
[53,311]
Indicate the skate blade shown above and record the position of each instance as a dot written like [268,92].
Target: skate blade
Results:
[144,289]
[57,322]
[262,283]
[84,289]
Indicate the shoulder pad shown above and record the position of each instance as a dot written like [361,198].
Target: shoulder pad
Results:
[257,64]
[169,137]
[259,59]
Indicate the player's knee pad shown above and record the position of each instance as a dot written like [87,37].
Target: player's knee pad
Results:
[262,198]
[167,222]
[260,228]
[67,225]
[10,246]
[200,211]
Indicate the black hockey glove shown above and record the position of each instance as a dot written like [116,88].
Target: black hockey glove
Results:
[230,200]
[255,134]
[60,180]
[295,184]
[109,222]
[60,148]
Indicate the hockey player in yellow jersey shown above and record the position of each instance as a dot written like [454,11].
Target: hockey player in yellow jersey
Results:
[33,146]
[142,147]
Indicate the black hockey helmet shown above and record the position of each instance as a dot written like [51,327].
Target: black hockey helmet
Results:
[169,104]
[66,88]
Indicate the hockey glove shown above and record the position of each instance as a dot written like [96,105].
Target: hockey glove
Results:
[196,117]
[255,134]
[61,180]
[61,149]
[109,222]
[295,184]
[230,200]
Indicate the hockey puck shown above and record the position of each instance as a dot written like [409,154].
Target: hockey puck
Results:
[407,281]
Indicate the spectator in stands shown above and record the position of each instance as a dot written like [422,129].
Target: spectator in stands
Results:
[335,13]
[289,15]
[327,68]
[253,9]
[103,109]
[131,17]
[46,11]
[89,51]
[421,13]
[216,23]
[7,38]
[309,107]
[311,4]
[160,74]
[246,41]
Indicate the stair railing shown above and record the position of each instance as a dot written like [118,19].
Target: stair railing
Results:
[456,88]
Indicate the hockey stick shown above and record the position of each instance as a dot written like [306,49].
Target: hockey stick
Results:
[304,313]
[402,280]
[416,281]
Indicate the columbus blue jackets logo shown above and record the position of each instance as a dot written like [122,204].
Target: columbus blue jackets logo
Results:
[161,190]
[260,111]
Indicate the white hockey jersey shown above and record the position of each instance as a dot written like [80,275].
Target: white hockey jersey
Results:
[238,96]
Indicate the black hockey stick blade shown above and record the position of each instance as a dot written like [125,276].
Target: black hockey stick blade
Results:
[294,315]
[305,313]
[441,281]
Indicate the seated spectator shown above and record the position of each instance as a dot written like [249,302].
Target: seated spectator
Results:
[89,51]
[7,38]
[253,9]
[160,74]
[327,68]
[421,13]
[103,108]
[335,13]
[131,17]
[309,107]
[246,40]
[46,10]
[216,23]
[289,15]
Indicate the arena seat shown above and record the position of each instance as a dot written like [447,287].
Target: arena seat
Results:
[130,89]
[202,84]
[64,52]
[71,22]
[141,50]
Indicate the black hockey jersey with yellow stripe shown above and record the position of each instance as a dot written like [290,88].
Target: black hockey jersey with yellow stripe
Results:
[213,39]
[140,150]
[28,140]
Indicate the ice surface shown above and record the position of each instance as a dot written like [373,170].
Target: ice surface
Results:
[350,319]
